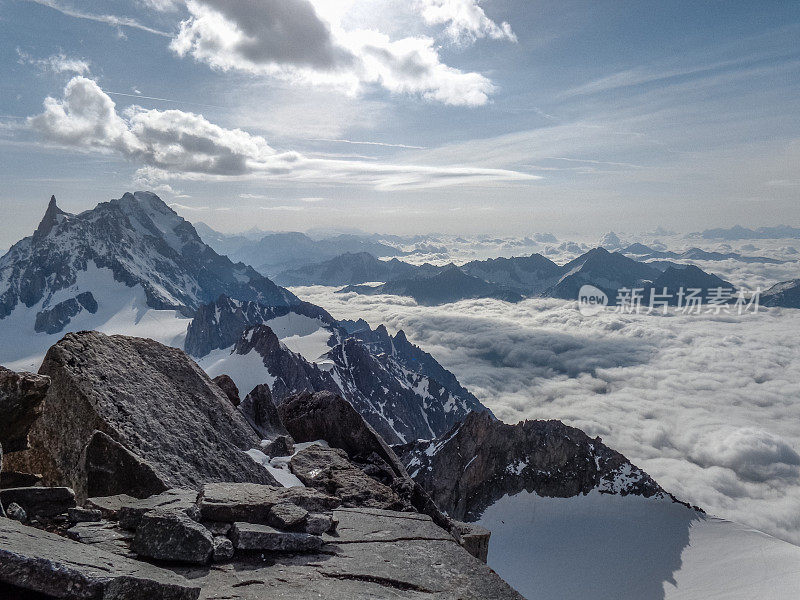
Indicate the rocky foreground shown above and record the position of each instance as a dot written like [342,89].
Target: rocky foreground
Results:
[130,474]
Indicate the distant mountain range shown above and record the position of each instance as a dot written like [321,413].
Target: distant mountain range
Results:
[509,279]
[642,252]
[275,252]
[450,285]
[762,233]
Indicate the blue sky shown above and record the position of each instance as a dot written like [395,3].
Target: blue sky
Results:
[501,116]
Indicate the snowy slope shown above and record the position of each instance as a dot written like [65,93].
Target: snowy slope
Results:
[609,547]
[120,309]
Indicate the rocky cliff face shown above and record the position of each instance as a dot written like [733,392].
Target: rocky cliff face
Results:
[142,242]
[157,410]
[398,388]
[481,460]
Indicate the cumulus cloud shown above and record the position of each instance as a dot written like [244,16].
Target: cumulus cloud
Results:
[289,39]
[172,144]
[465,20]
[707,405]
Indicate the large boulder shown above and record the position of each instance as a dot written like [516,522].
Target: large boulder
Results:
[326,416]
[249,537]
[172,536]
[329,470]
[40,502]
[147,397]
[227,385]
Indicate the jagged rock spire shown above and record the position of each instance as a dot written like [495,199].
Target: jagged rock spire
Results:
[50,218]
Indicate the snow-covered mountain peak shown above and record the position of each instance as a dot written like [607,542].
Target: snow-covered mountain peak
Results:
[135,245]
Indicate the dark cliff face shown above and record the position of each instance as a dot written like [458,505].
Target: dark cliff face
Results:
[481,460]
[143,242]
[398,388]
[220,324]
[785,294]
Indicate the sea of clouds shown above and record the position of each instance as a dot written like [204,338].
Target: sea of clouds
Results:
[708,404]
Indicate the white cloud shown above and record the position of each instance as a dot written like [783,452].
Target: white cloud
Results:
[465,20]
[111,20]
[173,144]
[162,5]
[707,405]
[57,63]
[288,39]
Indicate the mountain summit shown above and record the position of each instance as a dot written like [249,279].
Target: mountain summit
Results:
[130,255]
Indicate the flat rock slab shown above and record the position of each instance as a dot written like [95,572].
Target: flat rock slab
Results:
[43,562]
[365,525]
[249,537]
[40,501]
[433,569]
[251,503]
[105,535]
[110,506]
[180,500]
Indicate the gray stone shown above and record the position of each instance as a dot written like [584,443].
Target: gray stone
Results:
[103,534]
[287,516]
[16,512]
[252,537]
[110,506]
[251,503]
[473,538]
[150,398]
[330,471]
[40,501]
[217,528]
[172,536]
[326,416]
[223,549]
[46,563]
[14,479]
[280,446]
[84,515]
[227,385]
[260,411]
[112,469]
[177,500]
[21,401]
[317,524]
[370,525]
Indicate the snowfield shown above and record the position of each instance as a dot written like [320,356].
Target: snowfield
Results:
[121,310]
[608,547]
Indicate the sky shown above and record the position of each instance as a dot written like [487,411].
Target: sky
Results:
[405,116]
